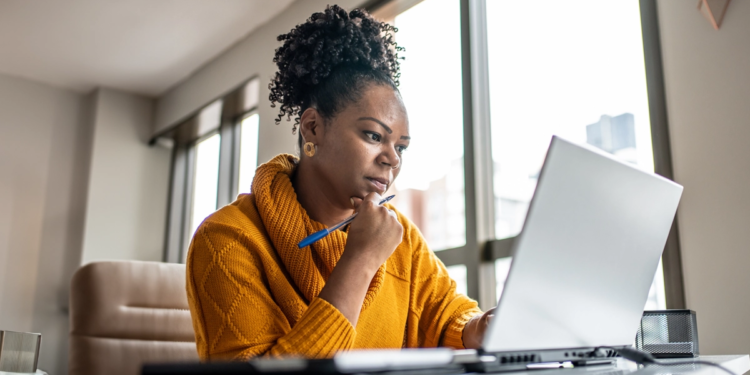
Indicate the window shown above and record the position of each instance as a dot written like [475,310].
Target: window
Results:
[577,69]
[205,181]
[248,152]
[430,188]
[502,267]
[214,156]
[458,274]
[551,74]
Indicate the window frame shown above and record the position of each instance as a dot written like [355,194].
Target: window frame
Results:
[184,138]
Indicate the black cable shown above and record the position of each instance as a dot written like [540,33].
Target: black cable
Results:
[645,358]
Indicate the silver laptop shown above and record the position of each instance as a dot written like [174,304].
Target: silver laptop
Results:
[583,265]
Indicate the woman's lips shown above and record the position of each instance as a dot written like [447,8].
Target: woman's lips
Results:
[380,184]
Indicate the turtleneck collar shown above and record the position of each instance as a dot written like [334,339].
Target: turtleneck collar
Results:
[287,223]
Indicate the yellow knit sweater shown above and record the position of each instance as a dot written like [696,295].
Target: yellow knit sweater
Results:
[253,292]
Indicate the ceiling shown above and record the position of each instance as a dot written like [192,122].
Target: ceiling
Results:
[139,46]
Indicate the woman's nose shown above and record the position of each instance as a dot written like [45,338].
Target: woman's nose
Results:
[390,158]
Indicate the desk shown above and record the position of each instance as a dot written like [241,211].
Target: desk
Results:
[739,364]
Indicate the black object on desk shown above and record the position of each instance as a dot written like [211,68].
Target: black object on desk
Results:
[668,333]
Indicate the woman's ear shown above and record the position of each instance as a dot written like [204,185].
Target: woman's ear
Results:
[310,126]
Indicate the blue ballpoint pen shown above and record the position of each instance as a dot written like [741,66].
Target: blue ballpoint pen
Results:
[311,239]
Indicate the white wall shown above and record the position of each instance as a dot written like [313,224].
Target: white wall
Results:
[707,76]
[128,183]
[252,56]
[77,183]
[44,158]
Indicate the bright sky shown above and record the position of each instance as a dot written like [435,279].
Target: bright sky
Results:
[431,88]
[205,188]
[248,152]
[555,67]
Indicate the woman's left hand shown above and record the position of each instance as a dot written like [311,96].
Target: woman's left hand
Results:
[474,330]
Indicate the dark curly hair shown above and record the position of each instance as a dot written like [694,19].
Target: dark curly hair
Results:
[327,61]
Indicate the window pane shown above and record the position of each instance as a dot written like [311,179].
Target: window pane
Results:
[656,295]
[248,152]
[430,188]
[575,69]
[205,183]
[502,267]
[458,274]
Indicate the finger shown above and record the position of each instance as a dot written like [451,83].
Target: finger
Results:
[392,213]
[356,201]
[375,198]
[489,318]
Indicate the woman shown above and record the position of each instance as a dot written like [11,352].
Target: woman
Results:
[375,284]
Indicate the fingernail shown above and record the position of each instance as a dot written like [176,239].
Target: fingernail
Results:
[351,200]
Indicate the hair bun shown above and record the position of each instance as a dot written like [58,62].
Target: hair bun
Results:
[326,41]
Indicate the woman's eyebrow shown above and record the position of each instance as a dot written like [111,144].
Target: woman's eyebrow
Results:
[387,128]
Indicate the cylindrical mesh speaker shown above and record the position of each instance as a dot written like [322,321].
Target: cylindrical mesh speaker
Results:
[668,333]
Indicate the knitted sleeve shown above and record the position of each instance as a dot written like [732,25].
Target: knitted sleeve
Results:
[234,313]
[442,311]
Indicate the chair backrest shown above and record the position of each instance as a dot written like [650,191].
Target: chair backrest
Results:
[127,313]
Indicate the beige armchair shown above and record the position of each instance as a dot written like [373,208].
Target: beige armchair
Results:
[126,313]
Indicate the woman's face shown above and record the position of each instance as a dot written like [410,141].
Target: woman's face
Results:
[360,150]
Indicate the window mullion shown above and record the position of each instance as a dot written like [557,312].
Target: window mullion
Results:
[477,151]
[483,174]
[483,150]
[226,161]
[187,204]
[452,257]
[496,249]
[235,171]
[472,30]
[176,214]
[671,258]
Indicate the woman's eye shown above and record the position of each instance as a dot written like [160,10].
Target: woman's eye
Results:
[374,136]
[401,149]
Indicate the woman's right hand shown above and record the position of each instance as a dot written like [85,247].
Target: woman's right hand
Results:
[374,234]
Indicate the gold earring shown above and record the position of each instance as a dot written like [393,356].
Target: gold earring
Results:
[309,149]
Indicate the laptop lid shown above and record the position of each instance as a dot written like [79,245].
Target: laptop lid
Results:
[584,262]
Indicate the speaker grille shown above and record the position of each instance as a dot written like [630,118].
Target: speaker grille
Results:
[668,333]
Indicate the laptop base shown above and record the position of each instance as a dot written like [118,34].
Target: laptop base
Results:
[542,359]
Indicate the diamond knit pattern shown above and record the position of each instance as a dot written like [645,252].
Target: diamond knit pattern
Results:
[252,292]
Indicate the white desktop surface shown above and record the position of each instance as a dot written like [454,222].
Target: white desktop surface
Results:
[739,364]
